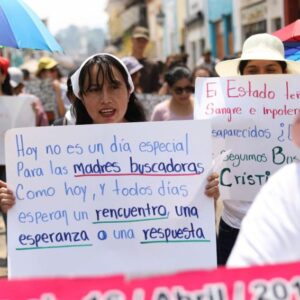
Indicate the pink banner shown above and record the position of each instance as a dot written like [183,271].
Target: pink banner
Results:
[270,282]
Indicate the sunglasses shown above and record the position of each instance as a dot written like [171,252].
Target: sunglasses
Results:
[187,89]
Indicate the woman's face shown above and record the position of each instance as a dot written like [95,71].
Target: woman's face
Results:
[106,104]
[202,73]
[182,90]
[259,67]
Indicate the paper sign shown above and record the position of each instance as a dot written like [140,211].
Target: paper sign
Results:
[110,199]
[15,111]
[252,117]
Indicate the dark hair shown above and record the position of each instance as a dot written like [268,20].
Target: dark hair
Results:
[69,92]
[58,72]
[26,74]
[6,87]
[176,74]
[134,113]
[244,63]
[210,74]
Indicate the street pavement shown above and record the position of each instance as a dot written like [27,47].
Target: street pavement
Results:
[3,252]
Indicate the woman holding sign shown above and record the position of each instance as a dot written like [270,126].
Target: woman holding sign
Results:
[105,94]
[271,233]
[262,54]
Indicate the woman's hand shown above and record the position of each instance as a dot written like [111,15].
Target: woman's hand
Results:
[212,187]
[7,198]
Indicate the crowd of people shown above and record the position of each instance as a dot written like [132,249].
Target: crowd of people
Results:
[103,90]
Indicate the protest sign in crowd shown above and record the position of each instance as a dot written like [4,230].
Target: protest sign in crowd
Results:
[122,195]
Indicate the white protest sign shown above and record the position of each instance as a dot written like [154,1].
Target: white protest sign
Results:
[251,119]
[15,112]
[110,199]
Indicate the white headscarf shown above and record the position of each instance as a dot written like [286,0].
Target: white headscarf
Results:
[75,76]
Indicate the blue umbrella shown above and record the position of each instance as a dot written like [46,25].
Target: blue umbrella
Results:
[21,28]
[292,50]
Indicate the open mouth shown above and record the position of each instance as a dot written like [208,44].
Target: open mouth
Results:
[107,112]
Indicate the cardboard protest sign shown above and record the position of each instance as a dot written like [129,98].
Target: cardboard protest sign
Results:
[275,282]
[252,118]
[15,111]
[110,199]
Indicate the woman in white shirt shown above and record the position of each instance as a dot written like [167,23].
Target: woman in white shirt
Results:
[270,232]
[262,54]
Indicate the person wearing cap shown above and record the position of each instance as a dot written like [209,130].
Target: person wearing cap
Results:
[150,74]
[53,101]
[270,234]
[46,67]
[17,83]
[134,68]
[262,54]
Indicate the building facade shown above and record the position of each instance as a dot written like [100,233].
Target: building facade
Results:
[192,26]
[261,16]
[196,39]
[174,28]
[156,17]
[220,26]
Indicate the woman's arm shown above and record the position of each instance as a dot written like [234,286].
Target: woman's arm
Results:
[7,198]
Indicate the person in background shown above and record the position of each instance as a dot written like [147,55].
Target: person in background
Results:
[208,62]
[262,54]
[11,84]
[134,68]
[51,94]
[69,118]
[26,74]
[17,84]
[5,87]
[150,74]
[270,231]
[58,76]
[5,90]
[172,61]
[180,106]
[201,72]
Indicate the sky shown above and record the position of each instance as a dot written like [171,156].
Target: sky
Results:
[62,13]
